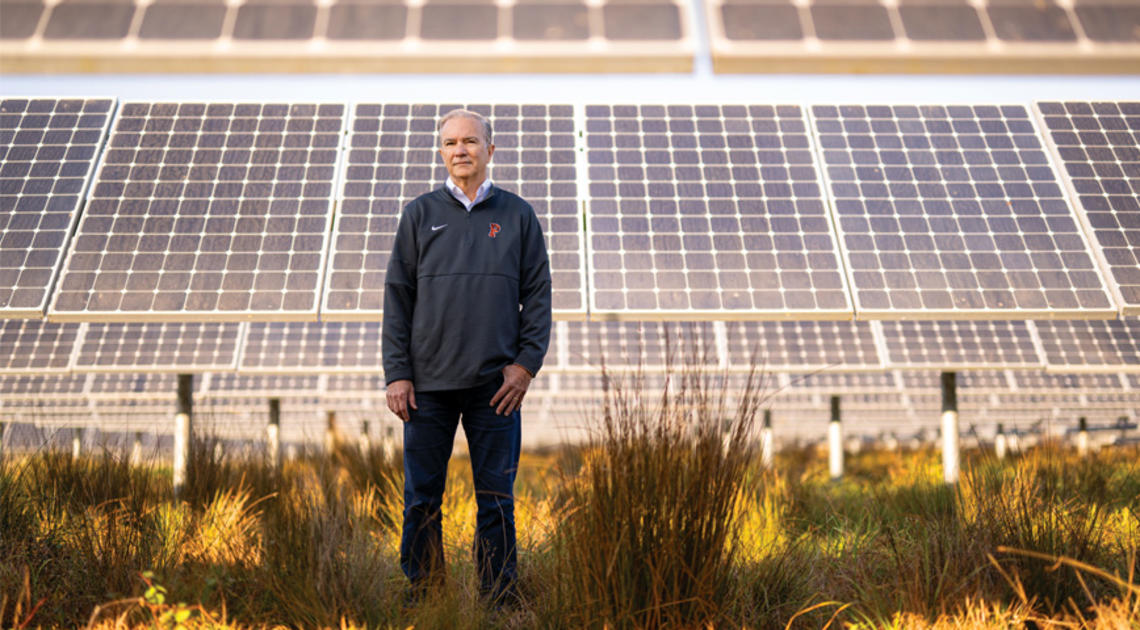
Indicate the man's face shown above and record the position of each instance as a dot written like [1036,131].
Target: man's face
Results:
[465,151]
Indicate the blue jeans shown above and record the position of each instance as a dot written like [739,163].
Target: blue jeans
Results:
[493,442]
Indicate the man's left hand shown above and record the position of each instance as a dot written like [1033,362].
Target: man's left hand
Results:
[516,380]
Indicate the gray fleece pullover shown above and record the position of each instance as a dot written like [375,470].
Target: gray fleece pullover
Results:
[467,293]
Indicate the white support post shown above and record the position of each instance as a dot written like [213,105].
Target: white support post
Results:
[330,432]
[1000,445]
[136,450]
[365,441]
[76,443]
[183,430]
[835,442]
[273,435]
[1082,436]
[767,446]
[950,445]
[389,443]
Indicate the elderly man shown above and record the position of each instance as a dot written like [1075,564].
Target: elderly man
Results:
[466,327]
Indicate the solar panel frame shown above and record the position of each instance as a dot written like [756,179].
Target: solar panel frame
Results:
[74,214]
[953,313]
[183,314]
[1127,306]
[329,313]
[700,314]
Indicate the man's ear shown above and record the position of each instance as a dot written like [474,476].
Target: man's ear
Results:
[490,150]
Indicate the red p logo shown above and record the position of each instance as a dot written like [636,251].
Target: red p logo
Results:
[495,227]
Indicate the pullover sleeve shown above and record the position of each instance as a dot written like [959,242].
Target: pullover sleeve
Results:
[399,301]
[534,297]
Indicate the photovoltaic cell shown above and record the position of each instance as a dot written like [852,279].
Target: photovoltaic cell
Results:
[48,149]
[393,158]
[802,346]
[145,385]
[206,210]
[954,212]
[35,346]
[973,380]
[158,347]
[1099,146]
[311,347]
[1078,346]
[955,345]
[839,382]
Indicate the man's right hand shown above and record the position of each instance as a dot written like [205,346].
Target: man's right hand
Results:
[401,395]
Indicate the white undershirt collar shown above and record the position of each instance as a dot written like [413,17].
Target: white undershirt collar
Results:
[458,193]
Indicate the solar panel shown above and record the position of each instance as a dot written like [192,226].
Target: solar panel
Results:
[393,158]
[954,212]
[1098,346]
[842,382]
[959,345]
[1045,382]
[42,386]
[645,346]
[1099,146]
[117,386]
[974,380]
[311,347]
[358,384]
[979,36]
[231,385]
[32,346]
[48,149]
[708,211]
[451,36]
[206,211]
[158,347]
[802,346]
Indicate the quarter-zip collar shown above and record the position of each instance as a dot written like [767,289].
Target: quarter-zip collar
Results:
[482,193]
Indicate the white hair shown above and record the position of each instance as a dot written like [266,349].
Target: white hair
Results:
[466,113]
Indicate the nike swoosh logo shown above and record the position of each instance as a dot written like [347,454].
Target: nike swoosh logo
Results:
[438,227]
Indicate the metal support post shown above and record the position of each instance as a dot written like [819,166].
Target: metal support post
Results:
[835,442]
[136,450]
[767,447]
[950,444]
[76,443]
[330,432]
[183,430]
[365,439]
[1000,445]
[1082,436]
[273,434]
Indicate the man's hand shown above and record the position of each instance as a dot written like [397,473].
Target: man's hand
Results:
[516,380]
[401,394]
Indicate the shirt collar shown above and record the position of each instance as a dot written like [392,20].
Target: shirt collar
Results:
[480,194]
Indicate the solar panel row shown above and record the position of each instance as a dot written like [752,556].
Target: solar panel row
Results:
[352,348]
[569,35]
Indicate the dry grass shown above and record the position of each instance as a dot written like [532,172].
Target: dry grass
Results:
[664,520]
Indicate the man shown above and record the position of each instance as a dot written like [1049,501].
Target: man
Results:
[466,327]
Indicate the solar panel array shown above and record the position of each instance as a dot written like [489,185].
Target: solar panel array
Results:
[727,214]
[955,212]
[347,35]
[982,36]
[48,149]
[206,211]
